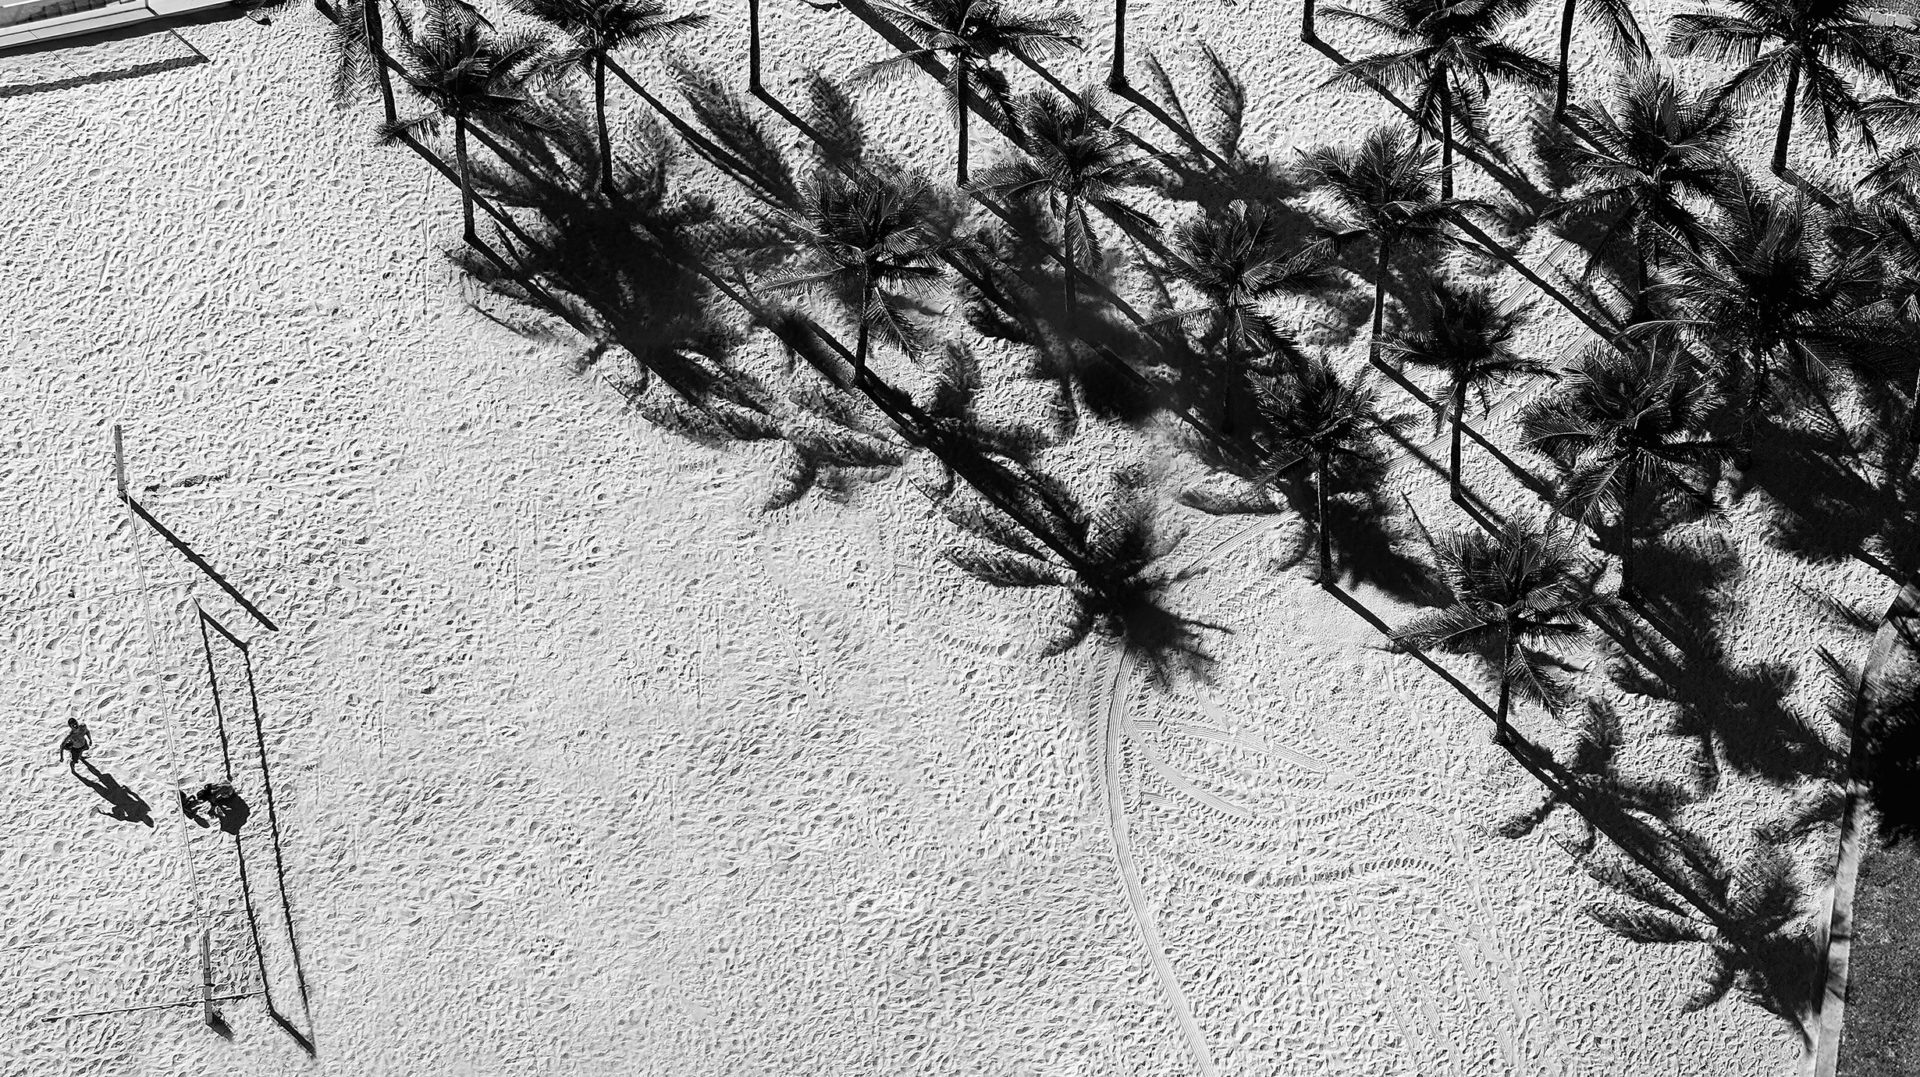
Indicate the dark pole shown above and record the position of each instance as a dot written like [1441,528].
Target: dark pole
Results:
[1566,48]
[1787,107]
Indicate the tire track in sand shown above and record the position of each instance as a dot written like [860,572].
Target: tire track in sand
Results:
[1115,718]
[1116,715]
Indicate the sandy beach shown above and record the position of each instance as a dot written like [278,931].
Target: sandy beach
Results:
[584,764]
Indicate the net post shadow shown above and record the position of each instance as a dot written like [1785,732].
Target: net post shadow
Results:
[126,498]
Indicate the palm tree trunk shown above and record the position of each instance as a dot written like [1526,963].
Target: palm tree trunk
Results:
[1626,529]
[1320,521]
[753,47]
[1073,264]
[861,333]
[1453,457]
[1226,400]
[1379,304]
[1787,108]
[1502,732]
[1757,396]
[1446,139]
[377,45]
[1566,50]
[466,177]
[1307,33]
[600,114]
[1117,77]
[960,77]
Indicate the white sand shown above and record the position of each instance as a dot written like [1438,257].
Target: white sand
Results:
[585,767]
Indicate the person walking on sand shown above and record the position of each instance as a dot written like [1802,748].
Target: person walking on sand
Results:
[77,744]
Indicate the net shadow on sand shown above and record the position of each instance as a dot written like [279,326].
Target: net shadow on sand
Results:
[237,756]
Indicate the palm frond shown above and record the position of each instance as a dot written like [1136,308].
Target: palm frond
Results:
[1003,568]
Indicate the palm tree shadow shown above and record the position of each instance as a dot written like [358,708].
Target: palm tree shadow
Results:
[1689,576]
[1781,979]
[1889,764]
[1757,938]
[1260,180]
[1016,293]
[1674,651]
[1370,541]
[123,803]
[1655,512]
[1219,170]
[1818,508]
[621,264]
[1169,645]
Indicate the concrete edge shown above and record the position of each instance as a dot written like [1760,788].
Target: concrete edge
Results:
[80,22]
[106,18]
[1833,934]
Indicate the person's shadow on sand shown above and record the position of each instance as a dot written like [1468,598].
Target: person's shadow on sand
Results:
[124,804]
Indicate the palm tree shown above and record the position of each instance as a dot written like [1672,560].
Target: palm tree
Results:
[1384,189]
[1077,159]
[874,241]
[596,28]
[1897,171]
[1334,424]
[969,35]
[1616,22]
[1236,258]
[468,73]
[1469,339]
[1627,427]
[1448,60]
[1815,44]
[1643,163]
[1770,296]
[356,42]
[1515,591]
